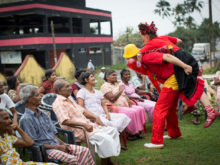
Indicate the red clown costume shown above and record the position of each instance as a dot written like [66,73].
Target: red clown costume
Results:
[166,105]
[193,87]
[176,84]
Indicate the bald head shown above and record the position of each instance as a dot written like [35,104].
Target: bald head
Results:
[62,87]
[58,84]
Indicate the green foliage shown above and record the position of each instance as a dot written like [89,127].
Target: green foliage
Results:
[163,8]
[199,34]
[211,70]
[129,37]
[181,12]
[114,67]
[187,35]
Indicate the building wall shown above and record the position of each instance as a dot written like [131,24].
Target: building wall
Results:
[40,43]
[117,55]
[69,3]
[10,1]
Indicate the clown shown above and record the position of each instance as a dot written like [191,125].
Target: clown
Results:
[177,72]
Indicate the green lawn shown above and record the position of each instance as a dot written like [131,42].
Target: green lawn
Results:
[197,146]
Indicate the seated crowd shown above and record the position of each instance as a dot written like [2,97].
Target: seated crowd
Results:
[109,116]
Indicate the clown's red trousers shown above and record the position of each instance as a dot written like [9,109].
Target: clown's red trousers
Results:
[165,109]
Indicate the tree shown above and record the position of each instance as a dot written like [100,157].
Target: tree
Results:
[181,12]
[188,36]
[198,34]
[129,36]
[163,8]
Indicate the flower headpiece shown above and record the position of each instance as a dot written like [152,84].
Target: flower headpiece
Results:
[148,28]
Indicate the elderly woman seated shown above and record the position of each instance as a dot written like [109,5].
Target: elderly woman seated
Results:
[104,139]
[133,93]
[93,101]
[114,94]
[14,88]
[40,128]
[76,86]
[8,139]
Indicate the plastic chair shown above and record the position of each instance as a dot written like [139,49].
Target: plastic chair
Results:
[39,153]
[20,108]
[146,96]
[48,99]
[34,153]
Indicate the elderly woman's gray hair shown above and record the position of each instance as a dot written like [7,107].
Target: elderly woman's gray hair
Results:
[58,84]
[107,73]
[27,91]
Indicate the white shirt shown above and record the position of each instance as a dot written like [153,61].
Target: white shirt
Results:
[101,75]
[6,101]
[137,82]
[90,66]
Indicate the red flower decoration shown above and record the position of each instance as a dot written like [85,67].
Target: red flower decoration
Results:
[149,28]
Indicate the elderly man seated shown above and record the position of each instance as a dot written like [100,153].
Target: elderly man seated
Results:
[39,127]
[104,139]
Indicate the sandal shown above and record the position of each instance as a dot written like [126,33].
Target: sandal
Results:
[132,137]
[124,148]
[139,136]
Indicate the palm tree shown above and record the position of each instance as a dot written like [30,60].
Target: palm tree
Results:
[189,22]
[163,8]
[181,12]
[196,5]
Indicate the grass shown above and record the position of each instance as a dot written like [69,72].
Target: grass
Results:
[212,70]
[114,67]
[197,146]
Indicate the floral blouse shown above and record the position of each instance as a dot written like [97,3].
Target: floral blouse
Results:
[8,154]
[114,88]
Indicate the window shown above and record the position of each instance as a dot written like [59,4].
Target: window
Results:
[77,25]
[94,50]
[25,23]
[105,27]
[107,49]
[61,24]
[94,27]
[82,50]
